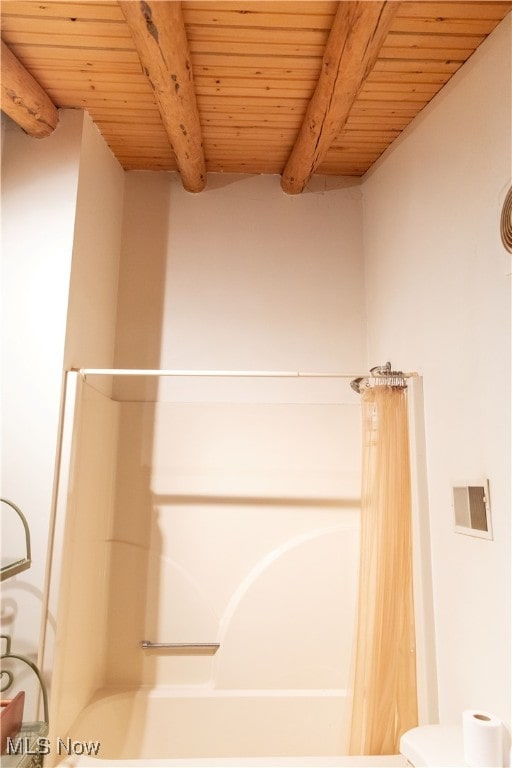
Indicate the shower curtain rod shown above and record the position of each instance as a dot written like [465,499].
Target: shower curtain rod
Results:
[234,374]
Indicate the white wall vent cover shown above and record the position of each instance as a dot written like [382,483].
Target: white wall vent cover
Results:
[472,509]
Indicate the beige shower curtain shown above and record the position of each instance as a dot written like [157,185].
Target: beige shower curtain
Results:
[385,701]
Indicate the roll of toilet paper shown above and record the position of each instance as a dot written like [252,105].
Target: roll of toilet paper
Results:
[483,739]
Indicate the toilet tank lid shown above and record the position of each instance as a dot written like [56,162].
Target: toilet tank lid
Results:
[433,746]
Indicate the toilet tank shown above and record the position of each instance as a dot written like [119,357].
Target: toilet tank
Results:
[430,746]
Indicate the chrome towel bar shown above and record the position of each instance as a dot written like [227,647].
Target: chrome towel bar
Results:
[207,647]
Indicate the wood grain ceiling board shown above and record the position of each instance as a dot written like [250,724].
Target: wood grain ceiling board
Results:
[255,66]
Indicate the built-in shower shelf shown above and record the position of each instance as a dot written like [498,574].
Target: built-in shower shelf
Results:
[182,648]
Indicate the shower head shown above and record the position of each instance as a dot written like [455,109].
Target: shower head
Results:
[356,384]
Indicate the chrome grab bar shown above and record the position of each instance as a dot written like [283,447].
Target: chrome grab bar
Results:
[212,647]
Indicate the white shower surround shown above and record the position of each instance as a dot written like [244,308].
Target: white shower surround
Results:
[283,613]
[163,564]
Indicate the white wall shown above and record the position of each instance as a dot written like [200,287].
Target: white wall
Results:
[240,276]
[92,312]
[61,224]
[39,193]
[438,301]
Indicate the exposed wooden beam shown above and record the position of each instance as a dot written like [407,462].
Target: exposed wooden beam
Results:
[24,100]
[158,32]
[357,34]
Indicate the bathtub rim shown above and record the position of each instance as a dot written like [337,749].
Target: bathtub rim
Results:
[341,761]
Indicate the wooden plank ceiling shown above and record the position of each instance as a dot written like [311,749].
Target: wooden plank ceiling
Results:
[255,67]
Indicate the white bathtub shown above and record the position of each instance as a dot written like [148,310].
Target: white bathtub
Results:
[187,728]
[376,761]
